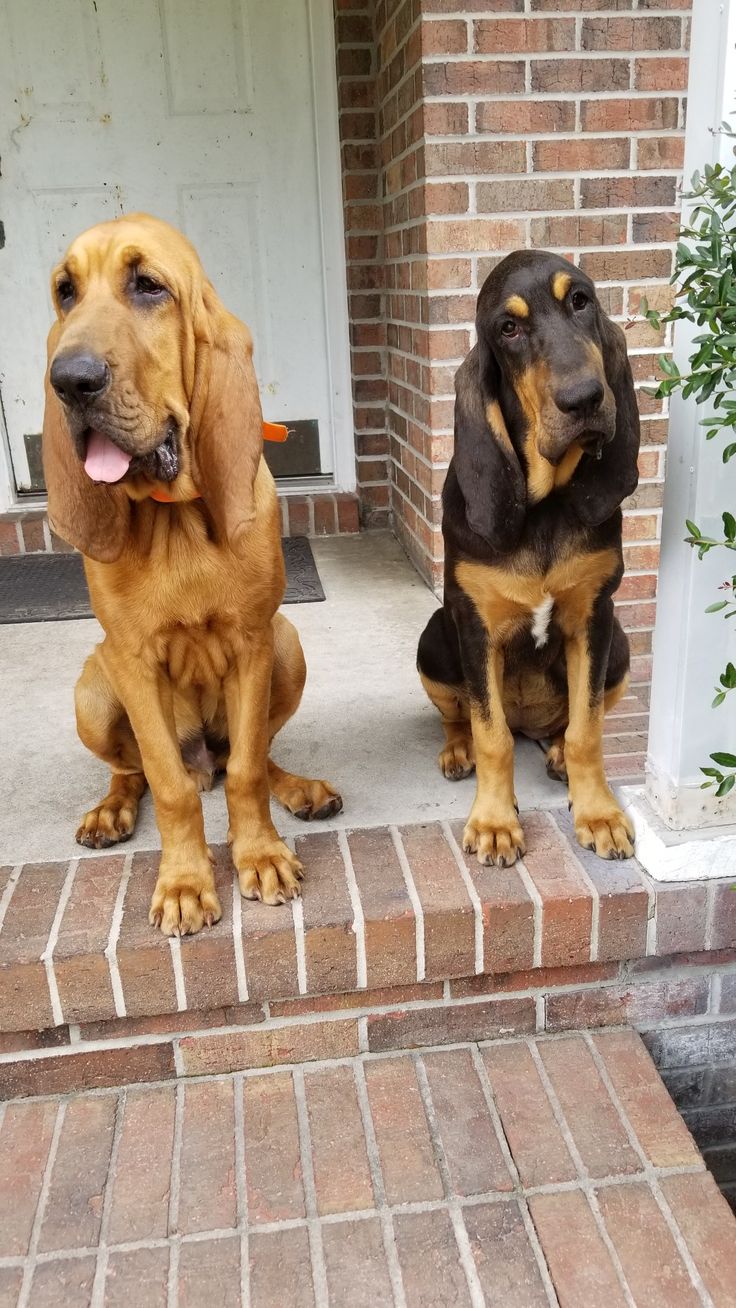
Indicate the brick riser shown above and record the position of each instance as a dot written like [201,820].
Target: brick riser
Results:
[326,514]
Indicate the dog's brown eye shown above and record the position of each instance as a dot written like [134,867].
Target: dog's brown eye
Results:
[579,300]
[148,286]
[509,328]
[65,292]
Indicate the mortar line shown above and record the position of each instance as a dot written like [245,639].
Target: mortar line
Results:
[361,961]
[25,1289]
[297,912]
[111,948]
[7,894]
[98,1286]
[495,1116]
[538,905]
[379,1189]
[240,972]
[178,969]
[47,955]
[581,1169]
[416,903]
[472,892]
[241,1188]
[174,1184]
[314,1232]
[462,1240]
[650,1172]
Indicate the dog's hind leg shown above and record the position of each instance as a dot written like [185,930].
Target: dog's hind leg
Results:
[441,674]
[103,727]
[304,797]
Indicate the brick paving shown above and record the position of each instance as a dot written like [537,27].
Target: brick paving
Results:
[526,1172]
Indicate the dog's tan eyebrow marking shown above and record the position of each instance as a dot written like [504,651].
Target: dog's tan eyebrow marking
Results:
[561,283]
[518,306]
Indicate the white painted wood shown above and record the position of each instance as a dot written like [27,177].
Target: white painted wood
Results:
[220,117]
[691,647]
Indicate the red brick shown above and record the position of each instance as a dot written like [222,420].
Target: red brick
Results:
[498,36]
[280,1272]
[407,1159]
[341,1173]
[273,1167]
[574,155]
[9,544]
[571,230]
[629,115]
[355,1260]
[209,1273]
[208,1055]
[619,1004]
[10,1277]
[390,924]
[432,1273]
[140,1189]
[170,1023]
[567,904]
[723,917]
[659,1128]
[449,37]
[651,1264]
[508,913]
[631,34]
[144,954]
[24,993]
[524,196]
[660,152]
[269,948]
[348,516]
[706,1225]
[525,116]
[469,157]
[448,913]
[89,1070]
[474,1159]
[328,916]
[474,77]
[593,1121]
[660,74]
[208,959]
[506,1266]
[74,1208]
[207,1199]
[13,1041]
[33,535]
[536,978]
[627,265]
[325,517]
[68,1281]
[298,515]
[580,74]
[25,1140]
[444,1024]
[137,1276]
[537,1146]
[627,192]
[81,969]
[623,902]
[578,1259]
[680,918]
[391,995]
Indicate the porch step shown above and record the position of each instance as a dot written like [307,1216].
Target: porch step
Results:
[400,941]
[524,1172]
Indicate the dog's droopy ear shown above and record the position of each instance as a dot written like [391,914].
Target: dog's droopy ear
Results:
[226,421]
[488,471]
[91,517]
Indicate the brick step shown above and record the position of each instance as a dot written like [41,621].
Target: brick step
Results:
[526,1172]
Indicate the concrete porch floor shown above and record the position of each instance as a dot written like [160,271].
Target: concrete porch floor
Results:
[364,722]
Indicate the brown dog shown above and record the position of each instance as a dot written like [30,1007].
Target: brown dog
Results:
[151,395]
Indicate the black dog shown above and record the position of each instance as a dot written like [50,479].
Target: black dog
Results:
[546,444]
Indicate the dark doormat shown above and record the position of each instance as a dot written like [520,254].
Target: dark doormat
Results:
[52,587]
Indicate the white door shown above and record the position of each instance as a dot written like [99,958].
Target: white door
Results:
[218,115]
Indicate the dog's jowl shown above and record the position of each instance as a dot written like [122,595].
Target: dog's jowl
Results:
[152,454]
[546,444]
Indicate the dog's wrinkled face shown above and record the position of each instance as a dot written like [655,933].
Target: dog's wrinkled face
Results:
[539,319]
[122,360]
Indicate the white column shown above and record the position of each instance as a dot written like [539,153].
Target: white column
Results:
[691,648]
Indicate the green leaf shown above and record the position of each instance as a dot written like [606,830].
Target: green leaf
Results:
[694,531]
[716,702]
[726,785]
[716,608]
[724,760]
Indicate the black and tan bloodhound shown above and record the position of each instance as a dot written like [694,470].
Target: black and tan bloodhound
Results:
[546,444]
[152,454]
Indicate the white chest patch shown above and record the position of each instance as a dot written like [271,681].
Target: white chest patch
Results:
[540,620]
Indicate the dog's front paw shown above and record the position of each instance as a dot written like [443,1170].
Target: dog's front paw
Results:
[458,759]
[610,834]
[184,899]
[495,838]
[267,870]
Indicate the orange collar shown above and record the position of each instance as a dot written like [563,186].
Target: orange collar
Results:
[272,431]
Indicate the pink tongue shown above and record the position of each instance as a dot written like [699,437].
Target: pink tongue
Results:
[104,461]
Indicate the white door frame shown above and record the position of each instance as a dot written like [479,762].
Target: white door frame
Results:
[324,108]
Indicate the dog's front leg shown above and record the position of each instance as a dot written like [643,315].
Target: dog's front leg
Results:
[184,897]
[599,822]
[493,829]
[266,868]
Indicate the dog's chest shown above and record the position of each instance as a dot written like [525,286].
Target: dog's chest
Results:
[510,599]
[200,656]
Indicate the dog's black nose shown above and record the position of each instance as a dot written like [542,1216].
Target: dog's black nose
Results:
[580,396]
[78,378]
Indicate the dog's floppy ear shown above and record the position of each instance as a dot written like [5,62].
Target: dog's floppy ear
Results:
[599,486]
[488,471]
[226,422]
[91,517]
